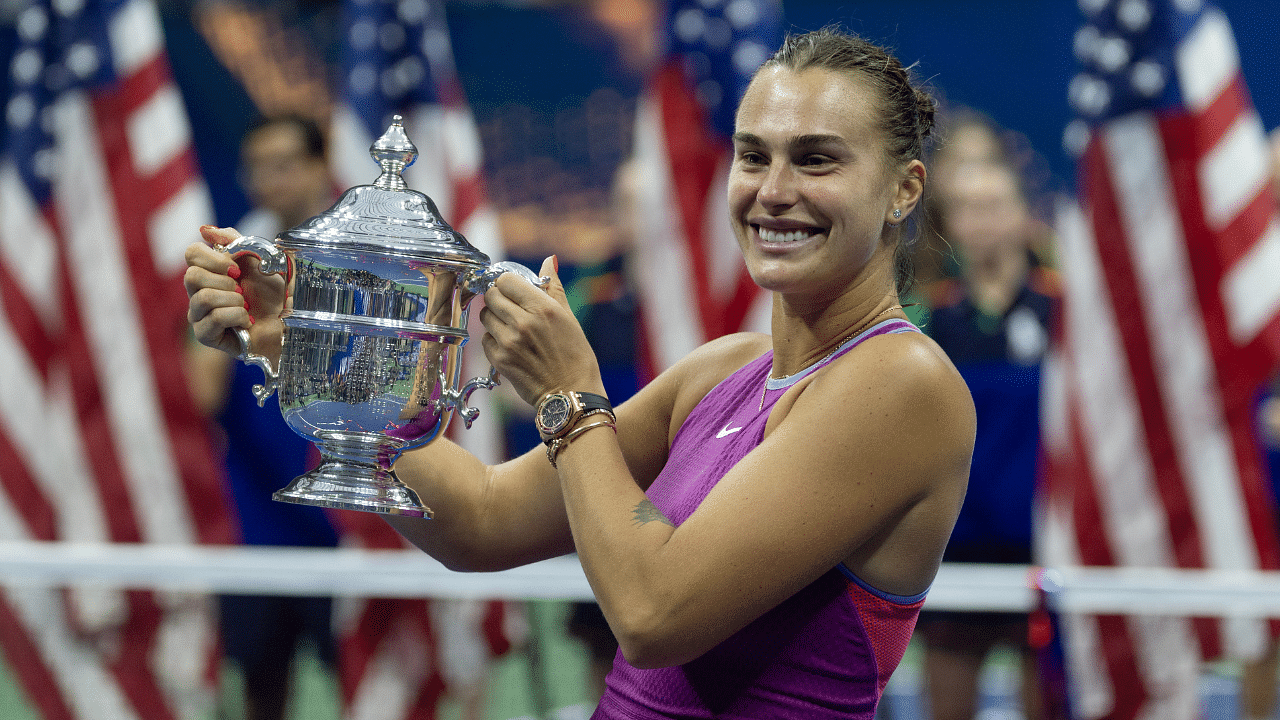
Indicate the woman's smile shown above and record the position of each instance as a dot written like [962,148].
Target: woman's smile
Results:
[783,236]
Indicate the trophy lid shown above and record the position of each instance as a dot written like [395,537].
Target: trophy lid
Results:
[387,217]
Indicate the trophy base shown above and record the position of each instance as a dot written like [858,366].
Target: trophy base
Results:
[348,485]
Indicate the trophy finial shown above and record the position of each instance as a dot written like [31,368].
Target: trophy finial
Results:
[393,152]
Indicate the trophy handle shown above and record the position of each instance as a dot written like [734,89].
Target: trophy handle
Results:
[469,414]
[271,379]
[479,283]
[272,261]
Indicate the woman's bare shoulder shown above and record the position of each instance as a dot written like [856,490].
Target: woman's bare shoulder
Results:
[685,383]
[706,367]
[913,380]
[724,355]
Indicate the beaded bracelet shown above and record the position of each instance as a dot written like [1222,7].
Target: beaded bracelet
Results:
[555,446]
[599,411]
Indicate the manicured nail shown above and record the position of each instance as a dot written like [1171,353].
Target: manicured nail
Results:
[251,320]
[246,304]
[239,289]
[555,262]
[234,272]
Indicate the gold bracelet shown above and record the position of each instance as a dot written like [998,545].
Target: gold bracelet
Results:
[555,446]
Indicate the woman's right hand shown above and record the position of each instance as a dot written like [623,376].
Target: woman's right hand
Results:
[226,293]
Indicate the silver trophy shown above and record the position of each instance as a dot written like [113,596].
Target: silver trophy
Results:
[371,356]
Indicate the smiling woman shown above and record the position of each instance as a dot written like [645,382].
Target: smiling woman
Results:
[761,522]
[847,121]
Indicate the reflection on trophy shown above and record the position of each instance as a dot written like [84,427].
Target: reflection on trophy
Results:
[372,348]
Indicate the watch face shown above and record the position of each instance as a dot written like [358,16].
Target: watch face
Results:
[553,414]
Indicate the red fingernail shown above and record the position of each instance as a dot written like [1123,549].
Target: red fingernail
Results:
[251,320]
[555,262]
[246,304]
[239,289]
[234,272]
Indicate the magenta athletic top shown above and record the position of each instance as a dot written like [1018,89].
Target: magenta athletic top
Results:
[826,652]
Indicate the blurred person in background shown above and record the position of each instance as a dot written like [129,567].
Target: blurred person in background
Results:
[284,167]
[993,321]
[285,174]
[1258,680]
[969,135]
[966,137]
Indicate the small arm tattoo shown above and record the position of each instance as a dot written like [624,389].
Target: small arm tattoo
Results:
[645,512]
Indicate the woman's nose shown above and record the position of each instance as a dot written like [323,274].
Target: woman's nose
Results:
[778,187]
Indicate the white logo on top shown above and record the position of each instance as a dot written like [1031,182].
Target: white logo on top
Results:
[727,431]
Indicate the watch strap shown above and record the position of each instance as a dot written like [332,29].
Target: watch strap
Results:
[592,401]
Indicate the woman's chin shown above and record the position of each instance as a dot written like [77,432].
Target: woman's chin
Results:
[775,281]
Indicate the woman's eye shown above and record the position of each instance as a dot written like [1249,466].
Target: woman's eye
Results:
[751,158]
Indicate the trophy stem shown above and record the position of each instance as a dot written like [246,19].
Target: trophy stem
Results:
[355,474]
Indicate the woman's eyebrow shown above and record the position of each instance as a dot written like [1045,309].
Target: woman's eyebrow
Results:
[814,140]
[799,141]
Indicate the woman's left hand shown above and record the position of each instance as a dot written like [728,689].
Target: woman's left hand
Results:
[533,339]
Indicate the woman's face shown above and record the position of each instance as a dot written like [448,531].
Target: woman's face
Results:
[811,186]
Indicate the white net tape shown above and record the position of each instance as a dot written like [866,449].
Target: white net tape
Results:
[409,573]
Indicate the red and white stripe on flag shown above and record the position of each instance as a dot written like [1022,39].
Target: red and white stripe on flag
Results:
[692,284]
[1170,323]
[99,442]
[689,272]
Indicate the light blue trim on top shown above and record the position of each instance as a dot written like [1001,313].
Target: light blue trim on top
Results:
[897,599]
[788,381]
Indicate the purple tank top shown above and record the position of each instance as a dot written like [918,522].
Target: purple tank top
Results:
[826,652]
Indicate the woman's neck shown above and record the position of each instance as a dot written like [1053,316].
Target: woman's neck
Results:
[804,334]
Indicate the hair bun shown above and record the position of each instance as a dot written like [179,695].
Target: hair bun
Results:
[926,110]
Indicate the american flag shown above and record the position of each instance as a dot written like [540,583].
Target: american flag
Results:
[692,283]
[99,442]
[1171,322]
[399,656]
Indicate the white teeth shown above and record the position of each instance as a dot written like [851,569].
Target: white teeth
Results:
[777,236]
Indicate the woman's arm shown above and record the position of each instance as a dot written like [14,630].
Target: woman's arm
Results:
[493,518]
[834,480]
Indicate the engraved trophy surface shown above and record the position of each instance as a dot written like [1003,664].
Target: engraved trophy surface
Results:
[371,360]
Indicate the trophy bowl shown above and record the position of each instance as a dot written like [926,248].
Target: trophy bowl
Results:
[371,357]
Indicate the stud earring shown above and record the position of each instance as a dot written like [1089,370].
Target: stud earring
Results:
[897,214]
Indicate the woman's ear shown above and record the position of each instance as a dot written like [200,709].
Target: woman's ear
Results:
[910,189]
